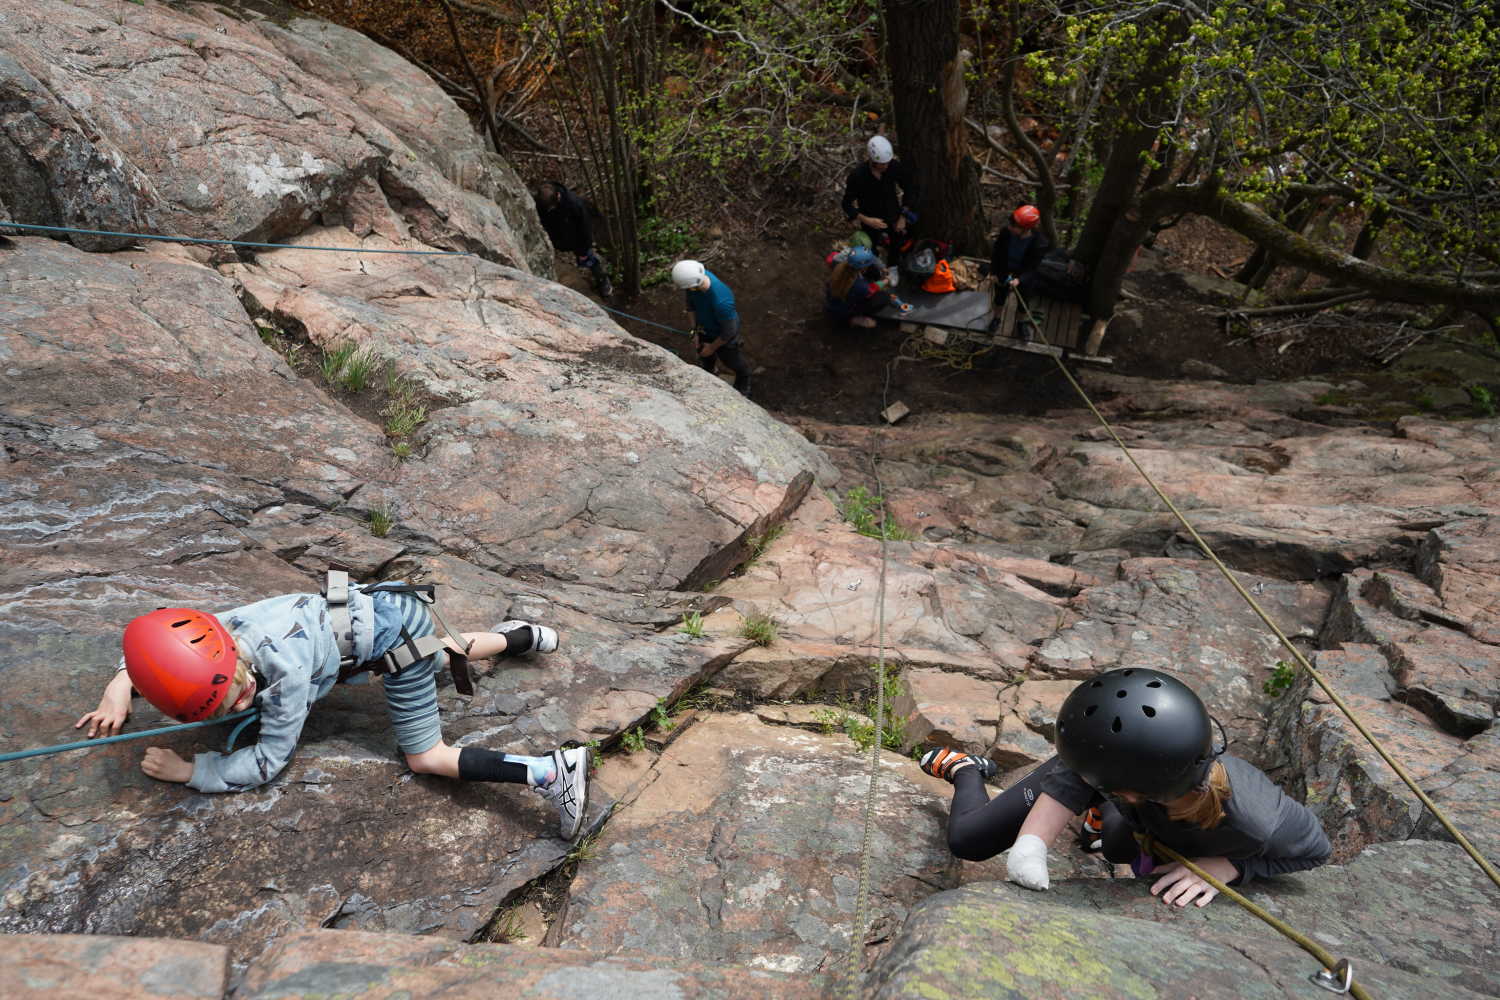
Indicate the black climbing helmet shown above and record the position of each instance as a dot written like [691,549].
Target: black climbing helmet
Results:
[1136,730]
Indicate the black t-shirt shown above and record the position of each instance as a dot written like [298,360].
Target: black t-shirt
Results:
[880,197]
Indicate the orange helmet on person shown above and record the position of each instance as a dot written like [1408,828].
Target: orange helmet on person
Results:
[180,660]
[1026,216]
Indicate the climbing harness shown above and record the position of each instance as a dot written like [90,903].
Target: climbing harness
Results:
[244,718]
[412,648]
[232,243]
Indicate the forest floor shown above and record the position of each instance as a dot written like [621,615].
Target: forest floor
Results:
[1168,328]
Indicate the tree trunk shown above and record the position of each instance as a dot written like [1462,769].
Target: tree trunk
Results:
[929,94]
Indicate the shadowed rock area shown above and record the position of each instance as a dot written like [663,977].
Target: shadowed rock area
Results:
[168,437]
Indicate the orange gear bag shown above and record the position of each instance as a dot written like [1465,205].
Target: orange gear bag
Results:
[941,279]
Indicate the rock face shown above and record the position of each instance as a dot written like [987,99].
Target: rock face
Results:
[1398,912]
[167,438]
[224,122]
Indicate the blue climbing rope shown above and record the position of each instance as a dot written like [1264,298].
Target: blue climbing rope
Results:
[246,717]
[648,322]
[232,243]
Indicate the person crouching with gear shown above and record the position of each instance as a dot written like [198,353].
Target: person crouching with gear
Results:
[716,335]
[1137,745]
[880,196]
[566,219]
[857,289]
[1018,249]
[281,654]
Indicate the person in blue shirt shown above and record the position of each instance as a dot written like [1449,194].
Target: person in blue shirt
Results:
[717,321]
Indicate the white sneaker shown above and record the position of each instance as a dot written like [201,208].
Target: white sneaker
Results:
[544,637]
[569,791]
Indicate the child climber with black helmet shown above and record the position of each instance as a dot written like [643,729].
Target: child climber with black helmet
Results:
[1138,745]
[282,655]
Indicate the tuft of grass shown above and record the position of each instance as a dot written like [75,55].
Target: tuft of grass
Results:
[1281,678]
[360,369]
[381,520]
[510,928]
[866,514]
[759,543]
[1483,400]
[586,849]
[858,724]
[692,626]
[403,414]
[759,629]
[331,367]
[401,449]
[634,740]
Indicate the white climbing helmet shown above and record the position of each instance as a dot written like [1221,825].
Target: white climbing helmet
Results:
[879,148]
[688,274]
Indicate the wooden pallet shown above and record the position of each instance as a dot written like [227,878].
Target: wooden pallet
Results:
[1061,324]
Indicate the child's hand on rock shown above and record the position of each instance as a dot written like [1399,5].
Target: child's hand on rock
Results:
[165,765]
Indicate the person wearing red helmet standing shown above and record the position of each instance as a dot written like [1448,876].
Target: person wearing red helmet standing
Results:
[1018,250]
[1138,745]
[282,655]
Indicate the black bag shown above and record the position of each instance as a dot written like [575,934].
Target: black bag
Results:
[1058,276]
[919,265]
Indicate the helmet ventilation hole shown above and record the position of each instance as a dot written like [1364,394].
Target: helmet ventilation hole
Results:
[1116,727]
[1097,684]
[1090,710]
[179,624]
[1150,712]
[1153,684]
[197,639]
[1120,693]
[1126,673]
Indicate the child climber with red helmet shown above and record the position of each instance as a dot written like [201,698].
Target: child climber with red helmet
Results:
[1138,745]
[282,655]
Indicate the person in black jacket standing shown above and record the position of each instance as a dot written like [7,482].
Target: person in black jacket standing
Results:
[566,219]
[1138,745]
[879,196]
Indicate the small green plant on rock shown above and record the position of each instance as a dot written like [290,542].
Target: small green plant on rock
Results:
[692,625]
[865,513]
[359,370]
[634,740]
[381,520]
[1483,400]
[661,717]
[759,543]
[1281,678]
[509,928]
[759,629]
[331,367]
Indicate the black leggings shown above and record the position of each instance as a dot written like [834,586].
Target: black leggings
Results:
[730,355]
[980,827]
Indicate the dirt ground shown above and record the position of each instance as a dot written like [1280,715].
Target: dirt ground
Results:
[1167,326]
[804,367]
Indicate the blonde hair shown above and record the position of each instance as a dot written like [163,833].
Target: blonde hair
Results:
[1204,805]
[242,668]
[842,280]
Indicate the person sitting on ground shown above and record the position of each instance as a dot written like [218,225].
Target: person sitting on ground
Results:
[281,654]
[1137,745]
[880,197]
[856,289]
[1018,250]
[566,219]
[717,323]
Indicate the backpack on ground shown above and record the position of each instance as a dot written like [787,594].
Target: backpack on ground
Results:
[921,262]
[1058,276]
[941,279]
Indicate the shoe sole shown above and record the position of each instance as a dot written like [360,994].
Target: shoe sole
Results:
[581,787]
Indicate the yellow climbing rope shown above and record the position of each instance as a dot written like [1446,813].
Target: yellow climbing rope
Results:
[1260,612]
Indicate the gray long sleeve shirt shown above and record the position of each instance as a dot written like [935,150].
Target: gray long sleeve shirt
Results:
[1264,831]
[290,642]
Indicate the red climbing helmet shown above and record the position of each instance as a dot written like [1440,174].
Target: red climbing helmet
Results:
[1026,216]
[180,660]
